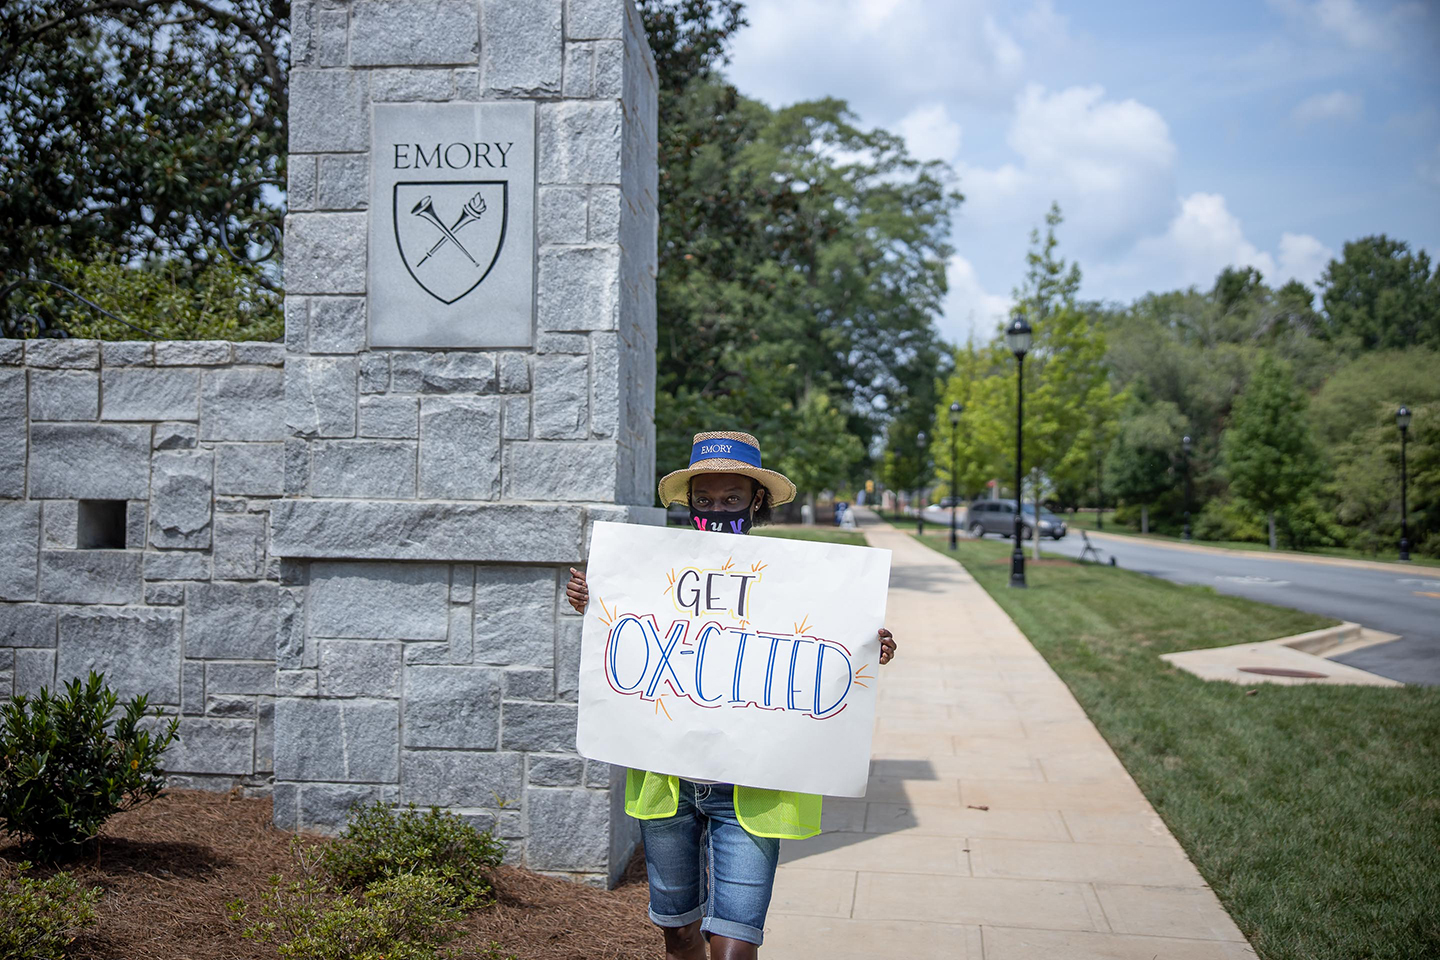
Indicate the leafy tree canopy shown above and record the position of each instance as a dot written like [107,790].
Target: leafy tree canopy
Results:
[133,124]
[1379,295]
[1269,453]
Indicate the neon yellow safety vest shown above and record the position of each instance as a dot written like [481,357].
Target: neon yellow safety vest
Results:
[785,814]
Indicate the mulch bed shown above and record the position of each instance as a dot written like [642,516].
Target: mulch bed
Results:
[169,868]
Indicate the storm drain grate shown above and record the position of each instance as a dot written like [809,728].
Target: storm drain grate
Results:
[1284,672]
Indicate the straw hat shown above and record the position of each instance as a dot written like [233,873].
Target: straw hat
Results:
[725,451]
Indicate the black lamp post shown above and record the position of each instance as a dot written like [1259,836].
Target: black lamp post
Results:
[1402,419]
[1018,338]
[920,478]
[1185,448]
[955,411]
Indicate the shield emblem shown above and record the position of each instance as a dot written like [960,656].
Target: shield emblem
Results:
[450,232]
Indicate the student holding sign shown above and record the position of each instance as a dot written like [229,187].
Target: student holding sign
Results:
[711,849]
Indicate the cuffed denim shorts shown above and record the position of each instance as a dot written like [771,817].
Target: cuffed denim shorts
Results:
[702,863]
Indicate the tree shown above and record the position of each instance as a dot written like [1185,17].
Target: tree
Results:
[134,128]
[1140,465]
[1067,386]
[799,254]
[1271,457]
[1354,421]
[818,452]
[906,463]
[688,39]
[975,461]
[1379,295]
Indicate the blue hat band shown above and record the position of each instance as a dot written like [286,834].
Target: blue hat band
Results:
[725,450]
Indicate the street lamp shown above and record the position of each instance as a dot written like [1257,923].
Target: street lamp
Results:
[1018,338]
[920,479]
[1402,418]
[1185,447]
[955,411]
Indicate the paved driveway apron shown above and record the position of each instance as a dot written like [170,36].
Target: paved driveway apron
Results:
[998,823]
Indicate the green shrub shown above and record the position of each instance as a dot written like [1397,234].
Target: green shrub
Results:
[1226,519]
[381,842]
[1306,523]
[214,297]
[408,916]
[64,772]
[41,917]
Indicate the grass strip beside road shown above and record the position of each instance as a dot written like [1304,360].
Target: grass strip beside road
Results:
[1312,811]
[819,534]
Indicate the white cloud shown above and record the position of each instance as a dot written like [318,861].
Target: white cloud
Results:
[1042,24]
[969,311]
[1109,164]
[1359,28]
[1336,105]
[1204,238]
[929,132]
[1303,258]
[1345,19]
[871,51]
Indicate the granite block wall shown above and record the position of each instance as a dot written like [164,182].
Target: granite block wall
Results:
[137,481]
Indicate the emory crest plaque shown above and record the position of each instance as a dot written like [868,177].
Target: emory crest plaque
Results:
[452,224]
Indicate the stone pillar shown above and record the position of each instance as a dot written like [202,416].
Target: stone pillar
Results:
[469,384]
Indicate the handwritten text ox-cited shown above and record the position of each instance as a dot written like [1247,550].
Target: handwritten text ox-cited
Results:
[742,659]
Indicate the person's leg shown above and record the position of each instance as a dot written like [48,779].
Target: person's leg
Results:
[674,865]
[724,948]
[685,943]
[742,876]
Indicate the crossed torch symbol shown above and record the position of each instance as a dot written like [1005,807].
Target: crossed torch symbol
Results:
[472,212]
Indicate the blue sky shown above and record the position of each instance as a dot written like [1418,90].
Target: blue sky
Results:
[1178,137]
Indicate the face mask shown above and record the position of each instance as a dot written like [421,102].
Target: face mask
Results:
[719,521]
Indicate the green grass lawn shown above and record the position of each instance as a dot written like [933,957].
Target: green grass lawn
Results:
[1313,811]
[822,534]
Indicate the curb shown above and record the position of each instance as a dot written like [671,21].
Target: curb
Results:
[1326,638]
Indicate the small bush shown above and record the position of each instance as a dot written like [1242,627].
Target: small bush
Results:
[213,297]
[408,916]
[1228,519]
[41,917]
[380,842]
[64,772]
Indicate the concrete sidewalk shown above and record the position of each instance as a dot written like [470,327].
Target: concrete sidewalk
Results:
[998,822]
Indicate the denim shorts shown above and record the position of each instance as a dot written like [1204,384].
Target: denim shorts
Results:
[702,863]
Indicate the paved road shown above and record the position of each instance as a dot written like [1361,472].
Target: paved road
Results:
[1404,602]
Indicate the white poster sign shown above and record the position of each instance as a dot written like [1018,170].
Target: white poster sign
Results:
[743,659]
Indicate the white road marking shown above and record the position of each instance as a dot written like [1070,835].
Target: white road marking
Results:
[1257,581]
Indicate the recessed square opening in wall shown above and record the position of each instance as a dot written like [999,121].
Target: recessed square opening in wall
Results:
[100,525]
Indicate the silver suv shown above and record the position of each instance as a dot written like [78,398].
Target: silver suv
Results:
[998,516]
